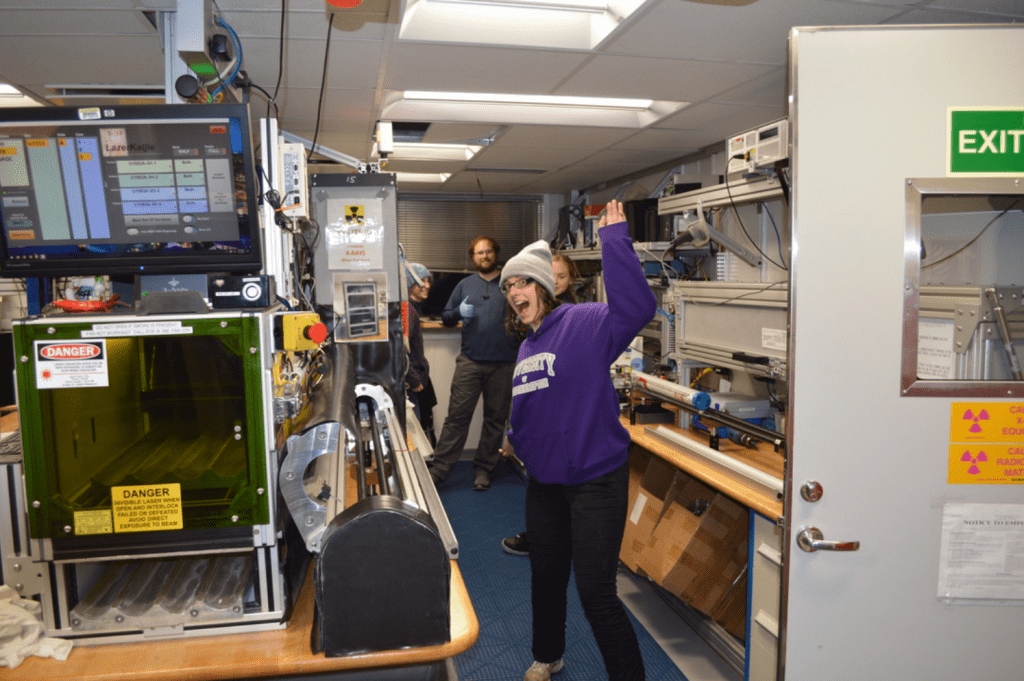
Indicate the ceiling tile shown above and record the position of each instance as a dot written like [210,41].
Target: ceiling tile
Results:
[668,79]
[78,21]
[754,32]
[560,137]
[477,69]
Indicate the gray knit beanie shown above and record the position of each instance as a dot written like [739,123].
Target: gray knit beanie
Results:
[534,261]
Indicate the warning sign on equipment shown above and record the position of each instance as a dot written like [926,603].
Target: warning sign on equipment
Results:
[145,508]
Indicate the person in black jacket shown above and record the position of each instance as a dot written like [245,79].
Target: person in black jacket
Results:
[417,380]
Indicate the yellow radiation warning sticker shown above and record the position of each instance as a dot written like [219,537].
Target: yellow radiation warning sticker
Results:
[986,443]
[986,422]
[144,508]
[986,464]
[355,215]
[93,522]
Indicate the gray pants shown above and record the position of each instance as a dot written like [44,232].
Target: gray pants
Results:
[494,381]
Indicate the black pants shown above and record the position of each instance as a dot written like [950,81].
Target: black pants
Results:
[580,527]
[472,379]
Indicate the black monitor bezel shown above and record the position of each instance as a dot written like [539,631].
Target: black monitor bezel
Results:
[183,262]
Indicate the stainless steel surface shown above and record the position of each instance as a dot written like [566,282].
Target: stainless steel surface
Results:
[811,491]
[918,299]
[308,511]
[810,539]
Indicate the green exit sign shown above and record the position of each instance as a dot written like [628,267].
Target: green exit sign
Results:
[985,141]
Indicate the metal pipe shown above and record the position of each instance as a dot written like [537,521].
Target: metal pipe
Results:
[378,455]
[1004,331]
[675,391]
[746,470]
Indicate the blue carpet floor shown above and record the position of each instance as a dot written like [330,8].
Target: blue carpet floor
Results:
[499,588]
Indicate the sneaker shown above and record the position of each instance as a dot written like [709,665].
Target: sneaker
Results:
[518,545]
[542,671]
[482,481]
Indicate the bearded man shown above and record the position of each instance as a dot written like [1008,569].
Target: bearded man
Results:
[484,367]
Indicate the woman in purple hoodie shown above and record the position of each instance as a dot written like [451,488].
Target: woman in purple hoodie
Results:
[575,450]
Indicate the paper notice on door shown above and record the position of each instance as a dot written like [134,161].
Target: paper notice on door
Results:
[982,552]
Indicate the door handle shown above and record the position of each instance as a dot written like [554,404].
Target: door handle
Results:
[810,539]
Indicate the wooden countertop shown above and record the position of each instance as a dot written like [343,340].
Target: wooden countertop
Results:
[431,325]
[284,652]
[742,489]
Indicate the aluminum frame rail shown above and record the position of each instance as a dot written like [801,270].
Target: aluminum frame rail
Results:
[722,324]
[408,479]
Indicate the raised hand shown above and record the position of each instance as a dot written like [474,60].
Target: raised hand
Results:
[612,213]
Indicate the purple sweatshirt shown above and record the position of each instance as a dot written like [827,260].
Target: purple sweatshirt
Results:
[565,413]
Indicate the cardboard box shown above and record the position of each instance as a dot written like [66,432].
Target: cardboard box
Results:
[731,613]
[698,548]
[645,504]
[676,528]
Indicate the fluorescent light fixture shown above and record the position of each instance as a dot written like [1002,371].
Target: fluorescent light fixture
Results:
[553,24]
[460,107]
[421,178]
[9,91]
[417,151]
[544,100]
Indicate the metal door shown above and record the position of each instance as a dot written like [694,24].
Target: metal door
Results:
[869,110]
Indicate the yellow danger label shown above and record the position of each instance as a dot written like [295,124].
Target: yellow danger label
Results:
[144,508]
[93,522]
[986,422]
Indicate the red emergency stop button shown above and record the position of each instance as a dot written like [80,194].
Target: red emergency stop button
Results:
[316,332]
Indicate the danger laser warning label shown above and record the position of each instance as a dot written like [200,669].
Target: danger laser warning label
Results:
[145,508]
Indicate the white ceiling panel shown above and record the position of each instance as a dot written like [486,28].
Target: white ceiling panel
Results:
[533,158]
[351,64]
[1010,9]
[560,137]
[952,16]
[723,117]
[754,33]
[44,59]
[677,80]
[306,25]
[81,20]
[767,90]
[676,142]
[477,69]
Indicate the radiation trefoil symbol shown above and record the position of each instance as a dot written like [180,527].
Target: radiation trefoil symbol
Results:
[973,470]
[970,416]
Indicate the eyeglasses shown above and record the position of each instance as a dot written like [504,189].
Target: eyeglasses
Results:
[517,284]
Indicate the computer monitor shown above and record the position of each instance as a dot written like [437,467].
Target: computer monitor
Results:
[114,190]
